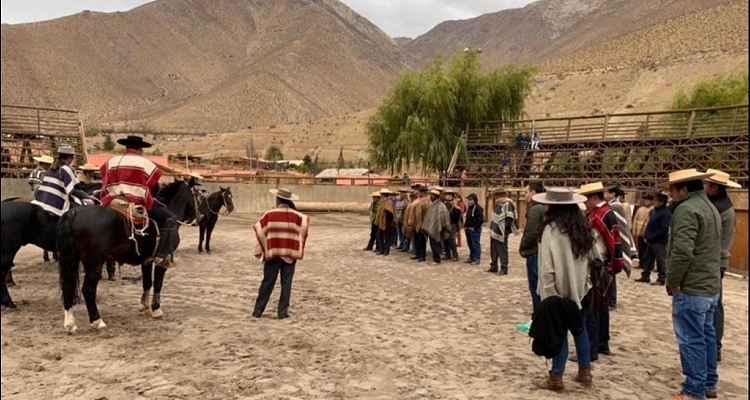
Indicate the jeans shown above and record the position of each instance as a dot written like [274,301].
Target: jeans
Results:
[400,235]
[271,270]
[641,249]
[655,252]
[719,316]
[582,351]
[693,320]
[532,276]
[472,238]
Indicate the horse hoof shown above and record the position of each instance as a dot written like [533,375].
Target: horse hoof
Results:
[98,324]
[10,283]
[70,328]
[46,260]
[10,304]
[200,250]
[157,314]
[111,278]
[145,311]
[208,251]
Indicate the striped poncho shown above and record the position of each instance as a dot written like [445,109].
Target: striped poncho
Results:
[282,232]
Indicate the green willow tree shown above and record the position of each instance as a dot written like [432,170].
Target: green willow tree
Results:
[421,120]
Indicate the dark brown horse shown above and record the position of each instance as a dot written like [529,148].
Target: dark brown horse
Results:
[211,207]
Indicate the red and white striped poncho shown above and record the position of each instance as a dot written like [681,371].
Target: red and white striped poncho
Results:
[282,232]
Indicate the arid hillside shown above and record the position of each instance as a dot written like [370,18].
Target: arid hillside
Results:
[552,28]
[202,65]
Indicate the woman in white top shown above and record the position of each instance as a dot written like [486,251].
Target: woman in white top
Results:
[566,244]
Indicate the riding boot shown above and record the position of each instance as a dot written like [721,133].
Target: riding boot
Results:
[166,245]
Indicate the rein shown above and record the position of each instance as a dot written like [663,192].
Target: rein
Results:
[219,212]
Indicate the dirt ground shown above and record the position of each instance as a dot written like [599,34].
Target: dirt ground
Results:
[362,326]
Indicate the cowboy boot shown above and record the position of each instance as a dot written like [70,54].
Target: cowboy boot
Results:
[584,376]
[553,382]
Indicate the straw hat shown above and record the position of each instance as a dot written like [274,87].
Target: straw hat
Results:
[195,175]
[559,195]
[89,167]
[375,194]
[721,178]
[590,188]
[44,159]
[66,151]
[451,191]
[435,192]
[386,192]
[499,191]
[691,174]
[438,188]
[404,190]
[284,193]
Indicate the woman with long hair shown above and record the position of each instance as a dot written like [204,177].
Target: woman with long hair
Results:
[565,245]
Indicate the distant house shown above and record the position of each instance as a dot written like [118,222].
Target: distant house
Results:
[352,176]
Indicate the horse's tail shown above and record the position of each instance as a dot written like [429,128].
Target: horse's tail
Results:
[69,261]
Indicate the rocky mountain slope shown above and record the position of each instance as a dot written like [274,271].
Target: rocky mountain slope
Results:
[208,65]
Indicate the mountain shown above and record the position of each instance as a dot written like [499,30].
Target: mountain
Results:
[202,65]
[551,28]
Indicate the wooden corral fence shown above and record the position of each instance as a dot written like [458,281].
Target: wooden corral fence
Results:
[29,132]
[635,149]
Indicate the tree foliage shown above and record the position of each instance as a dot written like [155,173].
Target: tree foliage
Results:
[340,163]
[108,144]
[421,120]
[715,92]
[273,153]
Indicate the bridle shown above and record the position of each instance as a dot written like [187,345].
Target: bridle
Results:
[219,212]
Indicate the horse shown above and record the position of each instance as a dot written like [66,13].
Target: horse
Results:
[210,207]
[21,223]
[45,254]
[176,196]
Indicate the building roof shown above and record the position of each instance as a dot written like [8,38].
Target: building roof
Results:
[349,172]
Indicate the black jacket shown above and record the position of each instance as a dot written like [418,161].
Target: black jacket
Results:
[657,229]
[474,217]
[556,316]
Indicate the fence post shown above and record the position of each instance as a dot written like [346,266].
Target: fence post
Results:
[567,134]
[38,122]
[734,120]
[606,126]
[690,124]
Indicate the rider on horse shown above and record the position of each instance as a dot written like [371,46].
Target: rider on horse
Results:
[136,178]
[59,185]
[35,179]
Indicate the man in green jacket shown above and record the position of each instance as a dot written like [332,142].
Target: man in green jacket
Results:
[528,247]
[694,281]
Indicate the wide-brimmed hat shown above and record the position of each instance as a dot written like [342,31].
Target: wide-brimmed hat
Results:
[136,142]
[386,192]
[661,196]
[499,191]
[44,159]
[284,193]
[451,192]
[89,167]
[66,151]
[559,195]
[435,192]
[404,190]
[685,175]
[439,188]
[423,188]
[648,196]
[375,194]
[721,178]
[415,186]
[590,188]
[195,175]
[616,189]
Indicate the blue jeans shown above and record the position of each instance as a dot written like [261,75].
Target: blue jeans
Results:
[400,235]
[472,239]
[583,351]
[693,320]
[532,276]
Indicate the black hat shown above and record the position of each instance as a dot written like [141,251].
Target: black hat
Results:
[648,196]
[616,189]
[422,188]
[662,197]
[135,142]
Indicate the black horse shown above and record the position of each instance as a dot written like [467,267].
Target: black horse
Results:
[21,223]
[176,196]
[210,207]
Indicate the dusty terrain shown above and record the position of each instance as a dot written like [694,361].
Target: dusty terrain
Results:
[362,326]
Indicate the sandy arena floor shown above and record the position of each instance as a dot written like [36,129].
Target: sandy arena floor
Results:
[362,326]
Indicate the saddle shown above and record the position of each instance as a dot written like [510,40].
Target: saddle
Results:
[133,213]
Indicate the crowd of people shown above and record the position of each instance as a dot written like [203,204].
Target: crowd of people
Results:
[576,242]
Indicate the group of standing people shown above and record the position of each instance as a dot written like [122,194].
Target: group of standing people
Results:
[687,233]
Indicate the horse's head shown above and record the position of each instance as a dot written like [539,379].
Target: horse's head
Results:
[226,193]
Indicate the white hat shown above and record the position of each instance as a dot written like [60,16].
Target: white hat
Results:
[284,193]
[691,174]
[721,178]
[559,195]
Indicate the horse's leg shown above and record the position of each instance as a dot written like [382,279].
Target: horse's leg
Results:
[147,281]
[9,277]
[45,256]
[209,229]
[159,272]
[6,262]
[201,235]
[111,270]
[55,255]
[90,282]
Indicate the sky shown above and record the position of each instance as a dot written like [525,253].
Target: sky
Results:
[409,18]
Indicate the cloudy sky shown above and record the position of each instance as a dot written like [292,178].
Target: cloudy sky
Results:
[409,18]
